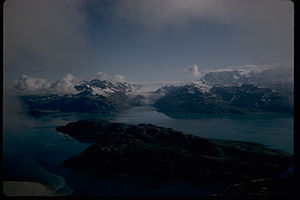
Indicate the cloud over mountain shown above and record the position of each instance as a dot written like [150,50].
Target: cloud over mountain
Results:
[65,85]
[29,84]
[194,70]
[107,77]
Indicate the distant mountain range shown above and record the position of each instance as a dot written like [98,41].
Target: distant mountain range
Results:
[95,96]
[279,78]
[219,99]
[231,91]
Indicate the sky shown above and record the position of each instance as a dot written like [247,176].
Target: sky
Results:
[142,40]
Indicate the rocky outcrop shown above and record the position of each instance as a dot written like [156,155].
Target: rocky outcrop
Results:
[149,151]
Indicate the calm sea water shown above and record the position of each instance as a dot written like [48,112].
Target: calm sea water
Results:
[273,130]
[34,150]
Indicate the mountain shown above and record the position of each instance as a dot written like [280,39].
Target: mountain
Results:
[227,78]
[164,90]
[280,78]
[233,91]
[69,103]
[103,87]
[200,85]
[95,96]
[232,99]
[188,99]
[254,98]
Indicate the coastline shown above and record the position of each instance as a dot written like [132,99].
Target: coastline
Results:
[27,188]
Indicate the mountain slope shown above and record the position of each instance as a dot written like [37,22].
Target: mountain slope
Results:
[280,78]
[95,96]
[233,99]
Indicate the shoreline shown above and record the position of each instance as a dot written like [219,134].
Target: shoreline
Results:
[27,188]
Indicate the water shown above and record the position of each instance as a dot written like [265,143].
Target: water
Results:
[34,150]
[273,130]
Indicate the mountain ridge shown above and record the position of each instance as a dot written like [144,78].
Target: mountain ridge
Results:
[231,99]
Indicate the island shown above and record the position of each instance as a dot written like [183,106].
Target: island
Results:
[153,152]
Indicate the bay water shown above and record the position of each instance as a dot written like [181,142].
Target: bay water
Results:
[33,149]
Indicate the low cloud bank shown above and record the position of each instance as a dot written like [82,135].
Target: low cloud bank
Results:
[198,73]
[65,85]
[27,84]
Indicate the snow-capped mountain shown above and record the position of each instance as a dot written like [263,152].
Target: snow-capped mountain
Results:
[199,85]
[246,98]
[103,87]
[272,77]
[96,96]
[229,91]
[227,78]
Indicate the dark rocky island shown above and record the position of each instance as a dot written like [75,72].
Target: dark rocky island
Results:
[149,151]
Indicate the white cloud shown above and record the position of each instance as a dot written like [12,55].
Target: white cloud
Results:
[48,32]
[254,68]
[119,78]
[265,25]
[32,85]
[107,77]
[102,76]
[65,85]
[158,13]
[194,70]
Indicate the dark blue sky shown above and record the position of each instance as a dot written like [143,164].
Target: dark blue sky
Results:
[152,40]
